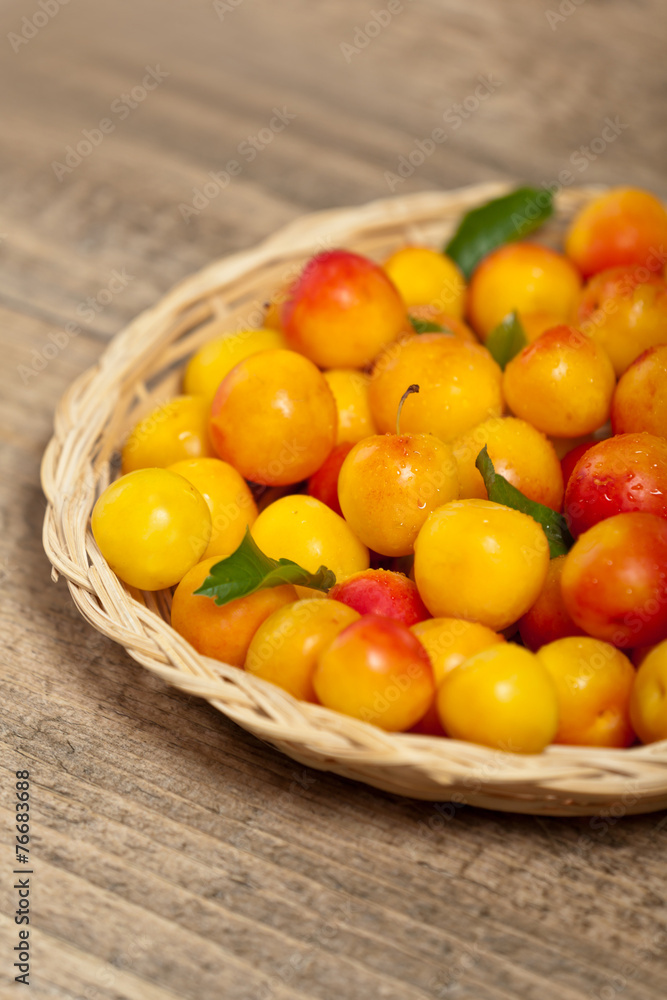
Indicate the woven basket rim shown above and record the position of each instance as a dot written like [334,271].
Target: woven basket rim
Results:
[562,780]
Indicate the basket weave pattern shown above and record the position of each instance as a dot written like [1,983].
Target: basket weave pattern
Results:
[141,368]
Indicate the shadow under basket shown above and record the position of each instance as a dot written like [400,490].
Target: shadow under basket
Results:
[140,368]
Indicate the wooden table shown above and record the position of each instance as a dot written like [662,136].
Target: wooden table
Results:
[174,855]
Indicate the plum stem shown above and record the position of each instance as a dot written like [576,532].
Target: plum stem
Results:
[408,392]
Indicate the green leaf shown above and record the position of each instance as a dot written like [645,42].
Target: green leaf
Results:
[501,491]
[248,570]
[507,339]
[502,220]
[426,326]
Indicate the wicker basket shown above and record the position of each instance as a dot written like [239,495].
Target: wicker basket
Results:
[141,367]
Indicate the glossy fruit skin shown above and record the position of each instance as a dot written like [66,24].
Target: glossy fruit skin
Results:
[382,592]
[571,457]
[222,632]
[274,418]
[308,532]
[377,671]
[502,698]
[350,391]
[388,485]
[459,386]
[519,452]
[548,619]
[620,228]
[614,583]
[640,399]
[648,703]
[624,315]
[521,276]
[427,277]
[342,310]
[323,484]
[562,383]
[449,642]
[481,561]
[171,432]
[208,366]
[151,526]
[623,473]
[228,498]
[286,645]
[593,681]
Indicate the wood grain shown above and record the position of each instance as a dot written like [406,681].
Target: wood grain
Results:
[175,856]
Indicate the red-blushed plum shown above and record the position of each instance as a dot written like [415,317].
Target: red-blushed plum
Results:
[627,472]
[342,310]
[570,459]
[614,581]
[548,619]
[323,484]
[623,226]
[376,670]
[382,592]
